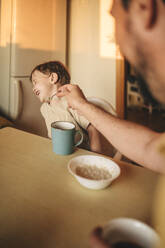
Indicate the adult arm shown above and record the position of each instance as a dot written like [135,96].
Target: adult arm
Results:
[136,142]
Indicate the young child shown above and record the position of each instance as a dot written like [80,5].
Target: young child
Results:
[46,79]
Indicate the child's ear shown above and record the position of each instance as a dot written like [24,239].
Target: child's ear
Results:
[53,78]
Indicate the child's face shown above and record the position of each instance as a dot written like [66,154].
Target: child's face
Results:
[43,87]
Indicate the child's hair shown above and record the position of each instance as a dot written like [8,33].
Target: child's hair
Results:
[54,66]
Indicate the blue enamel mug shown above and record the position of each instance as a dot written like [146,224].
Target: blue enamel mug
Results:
[63,137]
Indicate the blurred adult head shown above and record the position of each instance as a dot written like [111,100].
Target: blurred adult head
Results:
[140,33]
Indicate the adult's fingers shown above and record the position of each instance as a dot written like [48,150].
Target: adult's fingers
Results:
[63,90]
[96,240]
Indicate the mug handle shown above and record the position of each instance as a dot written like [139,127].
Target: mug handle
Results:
[81,140]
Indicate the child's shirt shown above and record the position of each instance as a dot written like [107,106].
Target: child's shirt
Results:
[58,110]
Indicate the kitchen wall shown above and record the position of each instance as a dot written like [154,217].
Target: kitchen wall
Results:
[92,61]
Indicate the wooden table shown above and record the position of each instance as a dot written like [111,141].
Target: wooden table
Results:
[43,206]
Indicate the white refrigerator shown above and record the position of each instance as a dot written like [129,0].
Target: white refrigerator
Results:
[31,32]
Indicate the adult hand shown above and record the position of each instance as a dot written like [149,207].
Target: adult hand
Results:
[96,240]
[74,95]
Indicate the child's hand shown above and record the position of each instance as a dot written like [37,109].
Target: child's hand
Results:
[73,94]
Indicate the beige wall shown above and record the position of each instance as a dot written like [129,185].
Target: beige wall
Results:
[5,36]
[90,67]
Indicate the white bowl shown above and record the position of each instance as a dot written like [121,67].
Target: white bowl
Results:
[130,230]
[100,171]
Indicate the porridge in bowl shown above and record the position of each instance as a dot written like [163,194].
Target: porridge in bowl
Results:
[93,172]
